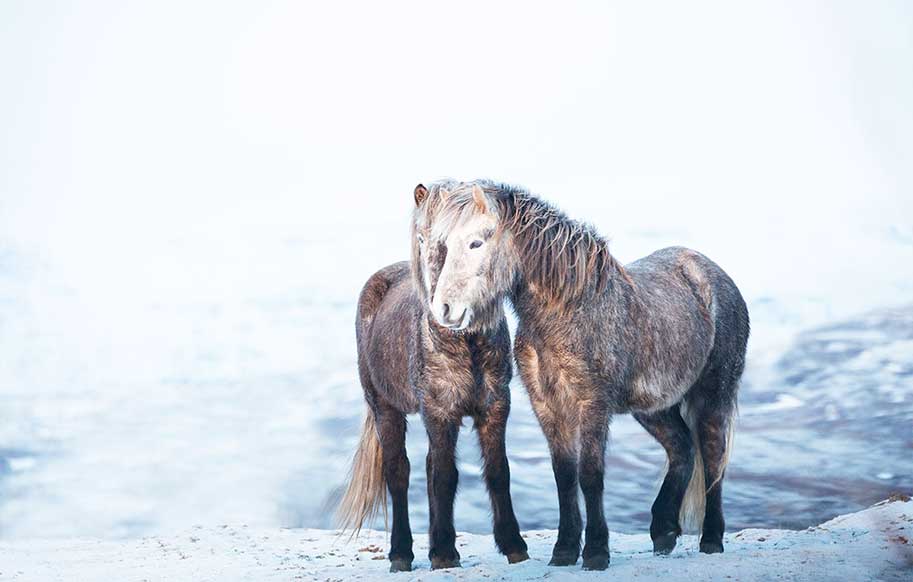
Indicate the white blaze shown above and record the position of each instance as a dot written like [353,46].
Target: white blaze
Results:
[459,285]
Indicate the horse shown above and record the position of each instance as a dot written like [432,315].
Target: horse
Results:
[662,338]
[445,366]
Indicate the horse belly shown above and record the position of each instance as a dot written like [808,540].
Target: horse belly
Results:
[665,373]
[655,391]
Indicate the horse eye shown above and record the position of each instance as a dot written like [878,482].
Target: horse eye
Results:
[475,244]
[421,239]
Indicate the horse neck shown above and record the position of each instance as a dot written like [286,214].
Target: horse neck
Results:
[560,262]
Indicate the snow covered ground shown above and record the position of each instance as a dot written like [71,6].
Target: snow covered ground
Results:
[874,544]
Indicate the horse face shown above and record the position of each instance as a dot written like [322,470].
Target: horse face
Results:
[459,267]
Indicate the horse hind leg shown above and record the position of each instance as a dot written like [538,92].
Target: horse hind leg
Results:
[710,410]
[391,428]
[712,425]
[669,428]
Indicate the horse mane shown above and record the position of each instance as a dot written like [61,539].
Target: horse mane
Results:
[562,257]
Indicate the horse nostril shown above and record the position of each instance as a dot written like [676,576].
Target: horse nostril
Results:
[445,311]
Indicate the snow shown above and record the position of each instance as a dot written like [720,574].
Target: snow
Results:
[873,544]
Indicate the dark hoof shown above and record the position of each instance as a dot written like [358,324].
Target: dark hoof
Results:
[441,563]
[711,547]
[563,559]
[664,544]
[517,557]
[600,562]
[400,565]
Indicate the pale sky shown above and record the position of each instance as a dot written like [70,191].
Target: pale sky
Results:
[124,122]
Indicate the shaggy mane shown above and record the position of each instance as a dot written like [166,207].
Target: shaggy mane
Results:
[563,257]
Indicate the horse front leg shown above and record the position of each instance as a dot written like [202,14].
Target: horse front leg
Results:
[594,428]
[559,426]
[491,431]
[442,485]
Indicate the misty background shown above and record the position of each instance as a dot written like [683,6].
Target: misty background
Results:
[192,194]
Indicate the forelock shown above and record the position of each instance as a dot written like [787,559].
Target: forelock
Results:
[450,204]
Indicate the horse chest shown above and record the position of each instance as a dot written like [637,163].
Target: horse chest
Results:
[450,385]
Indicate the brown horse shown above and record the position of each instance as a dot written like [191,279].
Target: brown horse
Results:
[446,366]
[663,338]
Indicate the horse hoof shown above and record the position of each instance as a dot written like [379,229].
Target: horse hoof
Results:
[664,544]
[400,565]
[711,547]
[442,563]
[517,557]
[563,559]
[600,562]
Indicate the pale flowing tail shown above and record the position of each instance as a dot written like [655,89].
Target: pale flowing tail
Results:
[366,494]
[691,514]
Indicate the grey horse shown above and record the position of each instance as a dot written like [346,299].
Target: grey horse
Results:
[663,338]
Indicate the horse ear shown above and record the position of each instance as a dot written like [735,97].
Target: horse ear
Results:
[420,193]
[481,201]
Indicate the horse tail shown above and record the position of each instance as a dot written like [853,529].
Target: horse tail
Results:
[691,514]
[366,494]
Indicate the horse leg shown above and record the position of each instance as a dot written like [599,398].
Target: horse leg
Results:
[442,484]
[668,427]
[711,410]
[496,470]
[559,427]
[713,428]
[430,486]
[594,428]
[391,428]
